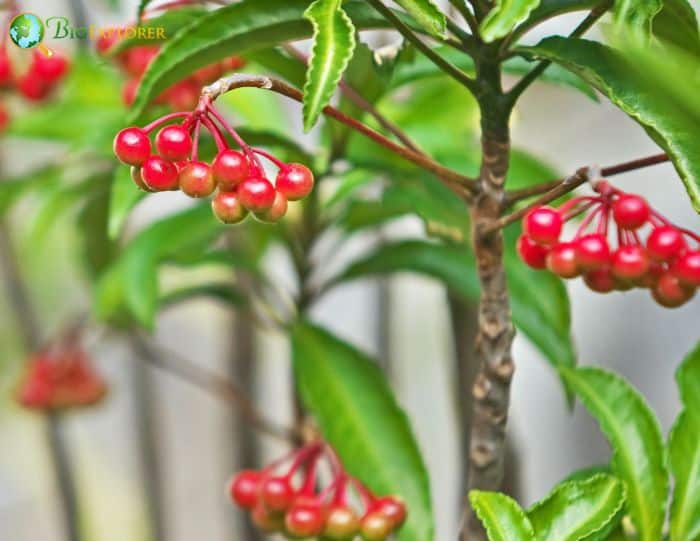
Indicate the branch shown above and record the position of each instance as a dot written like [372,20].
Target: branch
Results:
[216,385]
[533,74]
[555,189]
[434,57]
[359,101]
[461,184]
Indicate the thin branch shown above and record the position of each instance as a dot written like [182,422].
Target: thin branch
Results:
[358,100]
[555,189]
[463,10]
[595,14]
[461,184]
[434,57]
[216,385]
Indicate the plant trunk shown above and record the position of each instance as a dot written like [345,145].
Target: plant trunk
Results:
[491,390]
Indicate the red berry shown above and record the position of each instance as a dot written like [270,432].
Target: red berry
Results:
[669,292]
[543,225]
[295,181]
[49,68]
[138,179]
[230,168]
[106,41]
[342,524]
[630,263]
[233,63]
[227,208]
[183,96]
[208,74]
[631,211]
[129,90]
[256,194]
[132,146]
[277,493]
[592,252]
[196,179]
[159,174]
[139,58]
[5,68]
[276,211]
[392,508]
[305,520]
[33,88]
[375,527]
[174,143]
[561,260]
[600,280]
[244,488]
[665,243]
[267,521]
[533,254]
[687,268]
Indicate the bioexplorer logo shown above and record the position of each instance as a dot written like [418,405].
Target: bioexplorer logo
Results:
[27,31]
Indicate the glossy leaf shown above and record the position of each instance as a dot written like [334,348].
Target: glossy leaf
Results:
[426,14]
[357,413]
[609,72]
[250,25]
[334,43]
[677,24]
[504,16]
[501,516]
[124,197]
[635,438]
[684,453]
[585,510]
[637,14]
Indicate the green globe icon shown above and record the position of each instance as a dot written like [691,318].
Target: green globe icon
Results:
[26,30]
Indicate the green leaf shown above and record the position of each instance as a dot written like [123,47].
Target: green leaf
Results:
[635,437]
[222,292]
[170,22]
[677,24]
[98,249]
[501,516]
[334,43]
[250,25]
[548,9]
[123,198]
[504,17]
[143,4]
[586,510]
[636,14]
[426,14]
[605,69]
[359,416]
[684,453]
[585,473]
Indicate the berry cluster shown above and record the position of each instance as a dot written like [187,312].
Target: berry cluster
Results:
[238,175]
[60,377]
[35,83]
[184,94]
[292,502]
[664,263]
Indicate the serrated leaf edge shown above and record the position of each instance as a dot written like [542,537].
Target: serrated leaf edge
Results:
[501,7]
[476,495]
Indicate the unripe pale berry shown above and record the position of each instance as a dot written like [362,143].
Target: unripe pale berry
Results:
[669,292]
[295,181]
[138,179]
[256,194]
[277,493]
[174,143]
[561,260]
[665,243]
[244,488]
[159,174]
[375,527]
[305,520]
[533,254]
[227,208]
[630,262]
[342,524]
[687,268]
[132,146]
[543,225]
[600,280]
[276,211]
[631,211]
[267,521]
[230,168]
[196,179]
[592,252]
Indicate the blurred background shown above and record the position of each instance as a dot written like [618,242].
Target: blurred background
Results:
[160,447]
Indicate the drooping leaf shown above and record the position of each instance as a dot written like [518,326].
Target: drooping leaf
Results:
[426,14]
[604,68]
[684,453]
[228,294]
[548,9]
[334,43]
[358,414]
[636,14]
[585,510]
[677,24]
[124,197]
[504,16]
[502,517]
[635,438]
